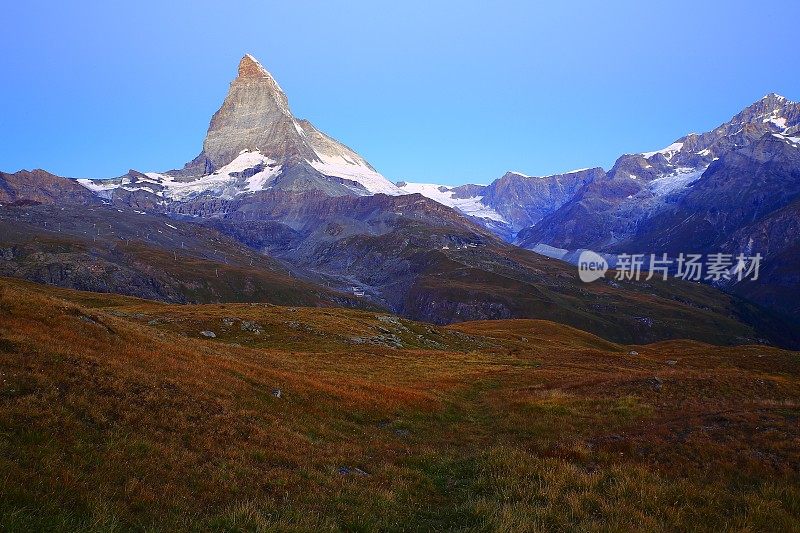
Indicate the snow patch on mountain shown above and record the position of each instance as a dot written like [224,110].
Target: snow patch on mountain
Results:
[333,159]
[250,172]
[794,141]
[227,181]
[667,152]
[777,121]
[682,177]
[341,166]
[101,186]
[472,206]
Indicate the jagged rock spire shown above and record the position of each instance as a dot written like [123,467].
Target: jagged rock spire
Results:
[255,116]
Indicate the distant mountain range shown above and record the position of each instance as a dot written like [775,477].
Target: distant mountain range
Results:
[735,189]
[301,216]
[616,209]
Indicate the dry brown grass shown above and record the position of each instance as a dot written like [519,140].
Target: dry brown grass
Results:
[115,414]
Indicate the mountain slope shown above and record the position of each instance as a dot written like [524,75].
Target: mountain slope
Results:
[41,187]
[738,189]
[423,260]
[775,236]
[590,208]
[123,251]
[729,190]
[405,253]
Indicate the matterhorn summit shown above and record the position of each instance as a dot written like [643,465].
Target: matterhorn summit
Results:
[249,67]
[254,143]
[254,116]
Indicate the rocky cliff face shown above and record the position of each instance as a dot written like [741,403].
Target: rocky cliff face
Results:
[525,200]
[254,116]
[775,236]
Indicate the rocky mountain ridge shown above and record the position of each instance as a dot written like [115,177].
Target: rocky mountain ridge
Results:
[636,184]
[607,213]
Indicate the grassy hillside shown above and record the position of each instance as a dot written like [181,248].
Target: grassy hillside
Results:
[117,414]
[520,284]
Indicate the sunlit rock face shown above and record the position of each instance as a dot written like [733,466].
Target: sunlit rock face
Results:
[254,116]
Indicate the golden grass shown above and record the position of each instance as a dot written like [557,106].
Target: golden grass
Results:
[115,414]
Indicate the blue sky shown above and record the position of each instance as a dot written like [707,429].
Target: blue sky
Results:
[450,92]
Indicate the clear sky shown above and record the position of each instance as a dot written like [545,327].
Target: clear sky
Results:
[448,92]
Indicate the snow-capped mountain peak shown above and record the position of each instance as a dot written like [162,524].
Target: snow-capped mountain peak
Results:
[255,133]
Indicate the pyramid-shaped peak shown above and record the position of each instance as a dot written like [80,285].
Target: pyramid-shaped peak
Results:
[249,67]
